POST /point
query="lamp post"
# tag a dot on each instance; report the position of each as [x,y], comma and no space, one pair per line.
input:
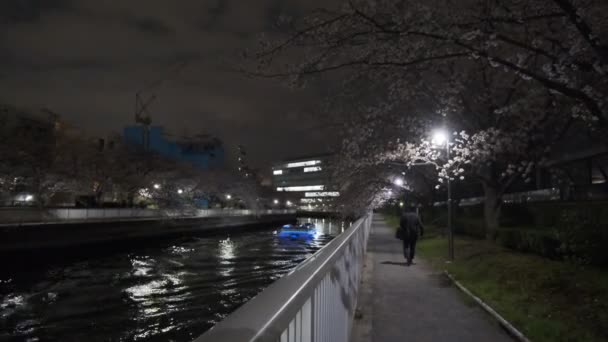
[399,182]
[441,137]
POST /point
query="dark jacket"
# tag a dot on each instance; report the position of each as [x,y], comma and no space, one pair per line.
[411,225]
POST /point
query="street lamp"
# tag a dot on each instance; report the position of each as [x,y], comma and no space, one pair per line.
[180,191]
[398,182]
[156,186]
[276,201]
[228,197]
[441,138]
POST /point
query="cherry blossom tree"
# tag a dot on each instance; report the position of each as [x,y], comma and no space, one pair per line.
[508,77]
[361,189]
[38,156]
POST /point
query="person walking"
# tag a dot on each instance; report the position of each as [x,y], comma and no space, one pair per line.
[410,228]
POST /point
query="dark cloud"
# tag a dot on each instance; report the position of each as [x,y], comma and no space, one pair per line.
[215,11]
[86,59]
[16,11]
[151,25]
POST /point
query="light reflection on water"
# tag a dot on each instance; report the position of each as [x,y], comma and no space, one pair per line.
[172,290]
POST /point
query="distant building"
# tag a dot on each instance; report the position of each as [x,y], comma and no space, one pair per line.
[304,182]
[200,151]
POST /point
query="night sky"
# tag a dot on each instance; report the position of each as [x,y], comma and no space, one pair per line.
[86,59]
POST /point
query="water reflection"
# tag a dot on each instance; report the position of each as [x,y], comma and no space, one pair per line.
[171,290]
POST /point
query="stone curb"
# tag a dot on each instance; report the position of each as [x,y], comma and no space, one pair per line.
[503,322]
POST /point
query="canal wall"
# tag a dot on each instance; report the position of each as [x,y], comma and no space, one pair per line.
[31,215]
[58,234]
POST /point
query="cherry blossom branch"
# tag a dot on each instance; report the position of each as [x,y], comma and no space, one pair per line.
[584,28]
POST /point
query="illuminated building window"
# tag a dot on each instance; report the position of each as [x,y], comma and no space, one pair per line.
[302,188]
[277,172]
[304,163]
[311,200]
[322,194]
[312,169]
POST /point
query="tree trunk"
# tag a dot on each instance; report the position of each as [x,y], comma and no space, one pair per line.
[99,199]
[491,210]
[130,199]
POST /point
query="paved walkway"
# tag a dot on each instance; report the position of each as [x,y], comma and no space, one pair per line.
[400,303]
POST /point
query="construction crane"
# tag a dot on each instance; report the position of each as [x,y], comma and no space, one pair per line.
[143,102]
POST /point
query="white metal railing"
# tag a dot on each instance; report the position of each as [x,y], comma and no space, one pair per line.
[314,303]
[22,216]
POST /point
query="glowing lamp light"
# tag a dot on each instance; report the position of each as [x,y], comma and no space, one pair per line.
[289,203]
[401,204]
[398,181]
[157,186]
[29,198]
[180,191]
[276,201]
[228,196]
[440,137]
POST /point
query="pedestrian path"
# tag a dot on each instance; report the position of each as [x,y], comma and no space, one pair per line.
[400,303]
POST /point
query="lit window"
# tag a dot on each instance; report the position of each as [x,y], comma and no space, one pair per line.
[312,169]
[322,194]
[302,188]
[597,176]
[311,200]
[304,163]
[277,172]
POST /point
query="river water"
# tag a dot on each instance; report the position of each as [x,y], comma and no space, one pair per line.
[169,290]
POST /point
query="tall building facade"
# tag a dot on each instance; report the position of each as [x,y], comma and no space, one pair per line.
[304,182]
[200,151]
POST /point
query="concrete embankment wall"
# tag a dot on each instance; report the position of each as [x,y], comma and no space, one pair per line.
[35,236]
[30,215]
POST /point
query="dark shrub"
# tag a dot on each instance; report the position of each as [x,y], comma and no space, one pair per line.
[583,237]
[537,241]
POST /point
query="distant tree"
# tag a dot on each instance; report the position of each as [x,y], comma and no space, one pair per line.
[362,188]
[137,172]
[221,183]
[43,160]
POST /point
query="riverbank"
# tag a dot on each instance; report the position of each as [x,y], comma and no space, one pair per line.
[547,300]
[30,216]
[20,237]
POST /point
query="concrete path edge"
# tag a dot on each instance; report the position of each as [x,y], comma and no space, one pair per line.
[514,332]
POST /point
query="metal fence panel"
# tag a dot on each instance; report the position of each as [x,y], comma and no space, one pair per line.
[314,303]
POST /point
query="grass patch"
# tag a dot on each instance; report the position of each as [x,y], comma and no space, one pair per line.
[392,221]
[547,300]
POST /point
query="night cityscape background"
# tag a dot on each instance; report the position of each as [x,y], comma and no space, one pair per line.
[346,170]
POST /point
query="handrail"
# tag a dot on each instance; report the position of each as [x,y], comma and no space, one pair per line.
[314,302]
